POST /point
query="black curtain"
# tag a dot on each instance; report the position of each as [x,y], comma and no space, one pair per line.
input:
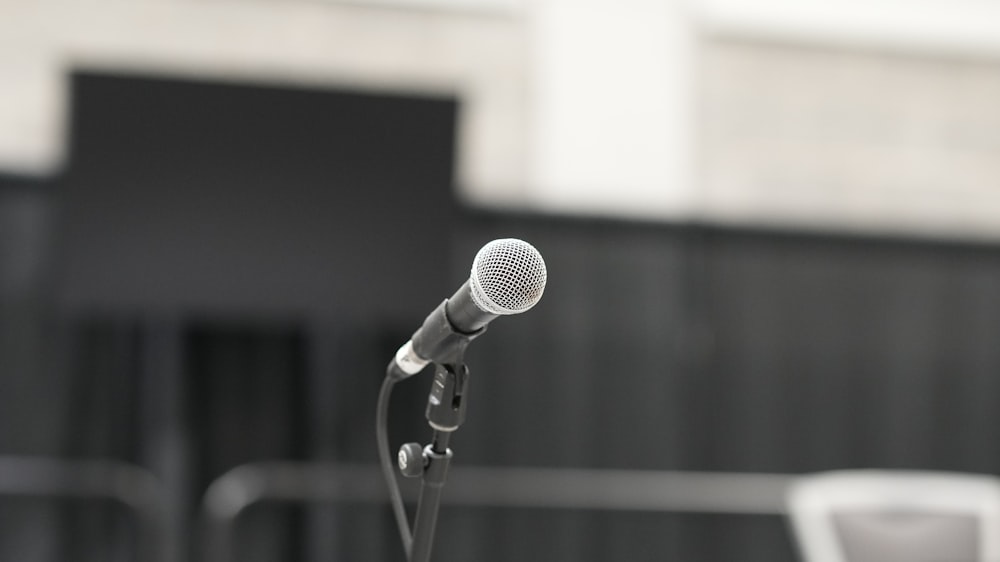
[655,347]
[703,348]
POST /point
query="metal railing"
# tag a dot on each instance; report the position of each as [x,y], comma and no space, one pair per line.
[231,494]
[51,478]
[628,490]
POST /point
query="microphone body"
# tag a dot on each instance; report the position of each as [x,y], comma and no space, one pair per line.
[508,277]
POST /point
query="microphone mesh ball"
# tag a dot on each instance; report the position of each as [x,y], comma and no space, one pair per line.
[508,277]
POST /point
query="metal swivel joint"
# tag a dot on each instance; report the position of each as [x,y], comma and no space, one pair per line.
[411,460]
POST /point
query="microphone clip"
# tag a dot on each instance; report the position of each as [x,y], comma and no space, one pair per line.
[446,403]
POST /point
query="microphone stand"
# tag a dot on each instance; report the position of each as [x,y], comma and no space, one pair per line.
[446,407]
[445,413]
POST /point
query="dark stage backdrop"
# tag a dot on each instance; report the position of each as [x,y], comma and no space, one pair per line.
[223,271]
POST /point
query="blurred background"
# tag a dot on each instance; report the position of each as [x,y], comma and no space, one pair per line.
[771,229]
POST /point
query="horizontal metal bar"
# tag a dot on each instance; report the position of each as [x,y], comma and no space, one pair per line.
[633,490]
[666,491]
[67,478]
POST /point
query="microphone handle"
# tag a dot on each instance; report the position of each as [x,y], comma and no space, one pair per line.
[464,314]
[443,336]
[441,339]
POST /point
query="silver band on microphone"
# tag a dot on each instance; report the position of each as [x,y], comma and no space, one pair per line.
[408,361]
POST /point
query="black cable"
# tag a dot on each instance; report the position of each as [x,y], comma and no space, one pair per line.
[388,470]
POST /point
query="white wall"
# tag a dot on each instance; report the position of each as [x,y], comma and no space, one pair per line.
[586,106]
[611,99]
[871,116]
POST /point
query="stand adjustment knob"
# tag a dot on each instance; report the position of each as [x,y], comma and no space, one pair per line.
[411,460]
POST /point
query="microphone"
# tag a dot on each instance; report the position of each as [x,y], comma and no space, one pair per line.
[508,277]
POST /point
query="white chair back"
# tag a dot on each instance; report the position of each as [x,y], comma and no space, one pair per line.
[896,516]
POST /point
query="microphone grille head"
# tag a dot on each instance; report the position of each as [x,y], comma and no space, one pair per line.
[508,277]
